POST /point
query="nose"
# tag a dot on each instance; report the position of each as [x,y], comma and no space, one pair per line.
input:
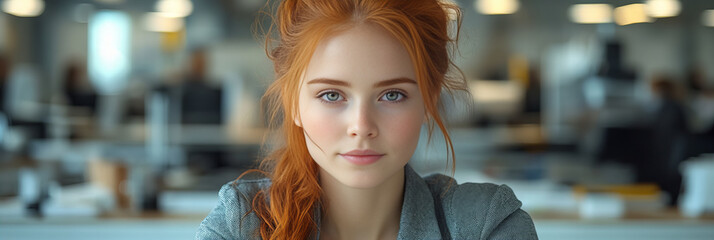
[363,122]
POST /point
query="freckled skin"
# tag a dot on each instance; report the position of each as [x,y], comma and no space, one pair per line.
[365,116]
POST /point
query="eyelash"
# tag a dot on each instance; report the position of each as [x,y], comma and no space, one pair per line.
[404,95]
[322,94]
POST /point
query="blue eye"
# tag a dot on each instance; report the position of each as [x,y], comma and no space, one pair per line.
[331,96]
[393,96]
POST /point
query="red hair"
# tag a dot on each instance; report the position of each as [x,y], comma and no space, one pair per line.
[286,210]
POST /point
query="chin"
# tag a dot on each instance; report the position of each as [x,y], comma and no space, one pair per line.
[362,178]
[362,181]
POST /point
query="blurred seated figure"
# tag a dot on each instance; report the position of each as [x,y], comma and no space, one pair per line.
[4,79]
[201,102]
[79,94]
[656,146]
[669,132]
[700,106]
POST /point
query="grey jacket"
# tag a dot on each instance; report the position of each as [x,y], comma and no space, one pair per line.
[465,211]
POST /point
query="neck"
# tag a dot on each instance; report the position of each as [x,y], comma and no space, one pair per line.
[359,213]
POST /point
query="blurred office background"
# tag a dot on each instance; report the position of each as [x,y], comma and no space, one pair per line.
[122,118]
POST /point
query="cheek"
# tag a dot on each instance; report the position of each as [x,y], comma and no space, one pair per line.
[321,126]
[404,130]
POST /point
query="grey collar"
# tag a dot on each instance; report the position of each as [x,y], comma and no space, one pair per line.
[418,219]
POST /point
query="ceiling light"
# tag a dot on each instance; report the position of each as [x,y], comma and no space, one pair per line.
[708,18]
[663,8]
[497,7]
[159,22]
[631,14]
[115,2]
[174,8]
[591,13]
[24,8]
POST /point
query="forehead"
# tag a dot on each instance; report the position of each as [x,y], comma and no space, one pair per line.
[364,53]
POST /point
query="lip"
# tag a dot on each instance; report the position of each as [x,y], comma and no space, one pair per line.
[362,157]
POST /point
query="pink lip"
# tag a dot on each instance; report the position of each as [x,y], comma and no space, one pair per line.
[362,157]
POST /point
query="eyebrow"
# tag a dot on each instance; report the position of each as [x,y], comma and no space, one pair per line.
[384,83]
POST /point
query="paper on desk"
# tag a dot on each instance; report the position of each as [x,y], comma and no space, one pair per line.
[81,200]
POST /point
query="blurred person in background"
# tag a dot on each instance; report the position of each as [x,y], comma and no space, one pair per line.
[700,106]
[4,78]
[669,133]
[355,83]
[78,91]
[80,95]
[201,102]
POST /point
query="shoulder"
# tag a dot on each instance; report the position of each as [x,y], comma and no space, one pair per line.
[244,189]
[486,210]
[232,217]
[470,193]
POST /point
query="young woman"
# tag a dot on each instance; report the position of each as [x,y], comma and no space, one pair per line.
[356,80]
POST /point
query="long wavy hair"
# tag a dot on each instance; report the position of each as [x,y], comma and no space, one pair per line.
[286,209]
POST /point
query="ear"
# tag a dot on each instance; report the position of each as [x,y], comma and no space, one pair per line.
[296,120]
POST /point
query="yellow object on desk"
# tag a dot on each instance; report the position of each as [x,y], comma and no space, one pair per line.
[637,198]
[642,190]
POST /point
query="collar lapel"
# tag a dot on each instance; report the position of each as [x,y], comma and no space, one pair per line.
[418,219]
